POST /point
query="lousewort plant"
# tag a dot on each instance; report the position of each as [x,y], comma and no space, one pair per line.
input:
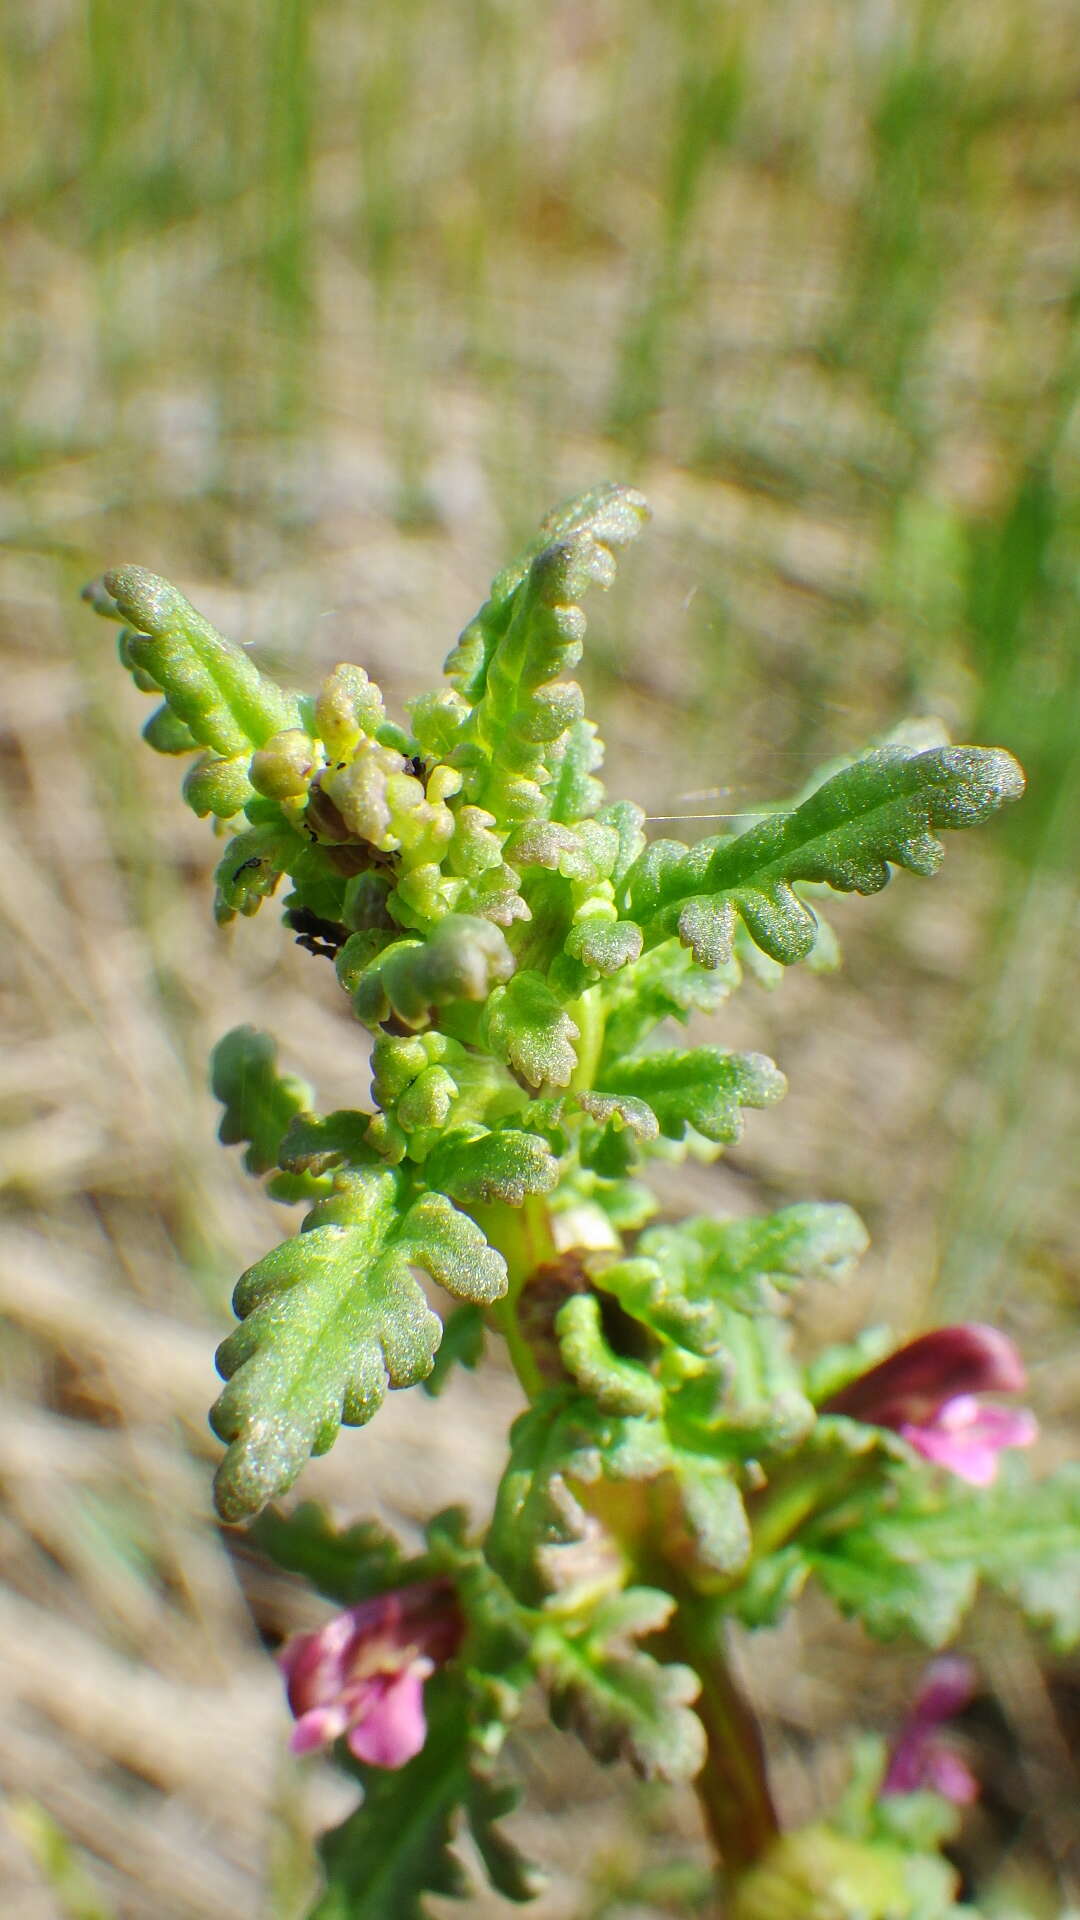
[522,958]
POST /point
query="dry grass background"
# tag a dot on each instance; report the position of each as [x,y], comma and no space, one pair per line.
[316,311]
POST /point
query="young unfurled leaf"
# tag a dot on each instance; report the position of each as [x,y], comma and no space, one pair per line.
[260,1103]
[525,1025]
[396,1847]
[212,685]
[617,1385]
[462,959]
[881,810]
[330,1320]
[703,1088]
[523,735]
[477,1168]
[623,1704]
[251,867]
[605,945]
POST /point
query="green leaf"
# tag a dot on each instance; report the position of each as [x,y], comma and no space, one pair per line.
[260,1103]
[217,786]
[665,984]
[251,867]
[462,959]
[884,1577]
[395,1848]
[617,1385]
[166,734]
[606,945]
[912,1561]
[560,1438]
[316,1145]
[882,809]
[614,513]
[330,1320]
[573,793]
[702,1087]
[623,1704]
[525,1025]
[740,1262]
[479,1168]
[346,1565]
[212,686]
[1032,1549]
[525,733]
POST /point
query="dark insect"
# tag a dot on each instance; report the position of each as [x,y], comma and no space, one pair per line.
[317,935]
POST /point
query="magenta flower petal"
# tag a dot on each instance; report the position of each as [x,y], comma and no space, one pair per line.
[966,1438]
[319,1728]
[912,1383]
[363,1673]
[393,1729]
[948,1685]
[920,1759]
[928,1392]
[947,1772]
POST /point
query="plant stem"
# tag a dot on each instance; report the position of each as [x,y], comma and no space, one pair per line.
[733,1785]
[590,1015]
[523,1236]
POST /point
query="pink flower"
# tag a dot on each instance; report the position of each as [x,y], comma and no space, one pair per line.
[928,1392]
[363,1674]
[919,1760]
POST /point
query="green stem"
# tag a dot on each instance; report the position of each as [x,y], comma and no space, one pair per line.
[733,1785]
[590,1017]
[524,1238]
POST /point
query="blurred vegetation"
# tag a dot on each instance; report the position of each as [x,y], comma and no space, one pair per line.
[316,308]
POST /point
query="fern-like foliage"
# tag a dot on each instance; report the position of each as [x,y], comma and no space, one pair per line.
[520,958]
[513,944]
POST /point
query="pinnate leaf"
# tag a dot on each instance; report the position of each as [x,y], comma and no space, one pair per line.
[525,733]
[624,1704]
[330,1320]
[396,1847]
[346,1564]
[913,1561]
[701,1087]
[525,1025]
[487,1166]
[211,684]
[260,1103]
[882,810]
